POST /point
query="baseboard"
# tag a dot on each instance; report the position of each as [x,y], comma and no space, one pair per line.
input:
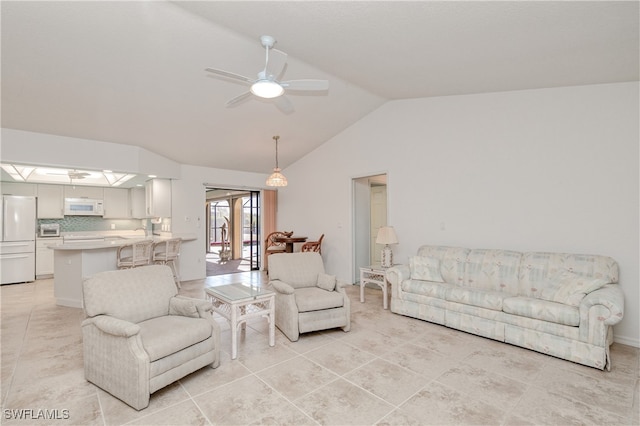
[627,341]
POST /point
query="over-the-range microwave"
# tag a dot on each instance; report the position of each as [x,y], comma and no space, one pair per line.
[83,207]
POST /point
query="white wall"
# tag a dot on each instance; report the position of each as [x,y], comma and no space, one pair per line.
[537,170]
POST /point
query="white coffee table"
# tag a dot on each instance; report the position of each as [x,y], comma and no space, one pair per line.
[239,302]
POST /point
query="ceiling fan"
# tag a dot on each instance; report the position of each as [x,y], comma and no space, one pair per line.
[268,85]
[76,174]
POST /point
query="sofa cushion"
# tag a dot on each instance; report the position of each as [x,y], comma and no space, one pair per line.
[326,282]
[315,299]
[426,288]
[569,288]
[452,261]
[493,270]
[163,336]
[425,268]
[558,313]
[475,297]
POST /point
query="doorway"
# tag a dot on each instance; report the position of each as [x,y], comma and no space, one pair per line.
[370,213]
[233,231]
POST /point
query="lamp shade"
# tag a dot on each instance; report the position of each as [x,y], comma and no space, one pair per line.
[276,178]
[387,235]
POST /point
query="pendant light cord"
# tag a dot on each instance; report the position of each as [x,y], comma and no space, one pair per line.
[276,139]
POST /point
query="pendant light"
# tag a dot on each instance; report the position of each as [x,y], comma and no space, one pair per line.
[276,178]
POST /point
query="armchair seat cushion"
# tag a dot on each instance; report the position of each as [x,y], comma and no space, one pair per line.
[316,299]
[163,336]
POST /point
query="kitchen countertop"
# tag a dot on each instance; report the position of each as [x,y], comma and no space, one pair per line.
[109,239]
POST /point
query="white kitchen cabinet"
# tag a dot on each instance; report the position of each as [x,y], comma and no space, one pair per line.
[137,203]
[16,188]
[79,191]
[44,256]
[116,203]
[158,197]
[50,201]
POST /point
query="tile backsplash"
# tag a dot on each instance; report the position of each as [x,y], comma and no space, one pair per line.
[90,223]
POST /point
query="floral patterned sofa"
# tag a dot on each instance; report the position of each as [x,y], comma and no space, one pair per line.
[559,304]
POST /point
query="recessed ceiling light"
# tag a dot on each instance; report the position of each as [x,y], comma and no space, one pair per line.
[152,176]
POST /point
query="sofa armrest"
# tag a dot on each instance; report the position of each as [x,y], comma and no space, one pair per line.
[397,274]
[611,297]
[281,287]
[113,326]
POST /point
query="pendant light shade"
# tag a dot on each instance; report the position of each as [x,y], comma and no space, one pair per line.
[276,178]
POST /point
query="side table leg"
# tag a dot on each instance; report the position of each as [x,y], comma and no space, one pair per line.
[385,297]
[234,332]
[272,321]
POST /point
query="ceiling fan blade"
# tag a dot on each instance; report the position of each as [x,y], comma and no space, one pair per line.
[229,75]
[238,100]
[305,85]
[284,104]
[276,63]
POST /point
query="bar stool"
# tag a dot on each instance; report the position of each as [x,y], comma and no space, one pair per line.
[166,253]
[134,254]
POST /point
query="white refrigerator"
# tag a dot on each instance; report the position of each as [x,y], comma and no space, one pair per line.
[18,239]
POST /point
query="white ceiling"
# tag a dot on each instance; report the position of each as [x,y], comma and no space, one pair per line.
[133,72]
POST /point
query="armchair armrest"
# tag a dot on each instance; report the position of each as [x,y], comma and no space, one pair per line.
[611,297]
[113,326]
[281,287]
[188,307]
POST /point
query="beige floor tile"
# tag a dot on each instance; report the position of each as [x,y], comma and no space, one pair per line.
[438,404]
[208,378]
[296,377]
[425,362]
[386,380]
[340,357]
[116,412]
[516,363]
[482,385]
[371,341]
[543,407]
[183,413]
[596,388]
[342,403]
[240,402]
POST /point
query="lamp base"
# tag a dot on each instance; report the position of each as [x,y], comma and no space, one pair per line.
[386,260]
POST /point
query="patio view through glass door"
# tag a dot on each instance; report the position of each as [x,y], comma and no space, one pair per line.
[233,231]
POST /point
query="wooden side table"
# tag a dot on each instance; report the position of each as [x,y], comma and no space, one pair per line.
[374,274]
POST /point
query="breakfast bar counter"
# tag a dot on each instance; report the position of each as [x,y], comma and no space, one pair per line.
[81,255]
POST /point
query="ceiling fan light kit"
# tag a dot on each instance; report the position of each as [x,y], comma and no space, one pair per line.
[276,178]
[266,89]
[267,85]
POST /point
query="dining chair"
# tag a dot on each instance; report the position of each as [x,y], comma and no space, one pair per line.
[272,246]
[315,246]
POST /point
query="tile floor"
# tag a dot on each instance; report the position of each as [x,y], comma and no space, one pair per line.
[388,370]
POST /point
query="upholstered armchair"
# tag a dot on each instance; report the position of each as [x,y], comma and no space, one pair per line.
[139,336]
[307,299]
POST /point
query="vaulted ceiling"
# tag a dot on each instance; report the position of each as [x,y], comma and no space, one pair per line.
[134,72]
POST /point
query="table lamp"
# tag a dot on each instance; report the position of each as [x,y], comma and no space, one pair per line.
[386,236]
